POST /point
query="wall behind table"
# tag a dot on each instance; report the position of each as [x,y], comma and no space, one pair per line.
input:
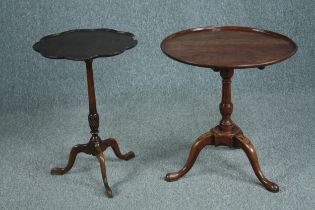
[29,81]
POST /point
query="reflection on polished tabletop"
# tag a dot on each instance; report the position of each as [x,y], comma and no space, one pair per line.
[228,47]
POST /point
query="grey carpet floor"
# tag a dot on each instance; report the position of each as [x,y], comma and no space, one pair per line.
[161,134]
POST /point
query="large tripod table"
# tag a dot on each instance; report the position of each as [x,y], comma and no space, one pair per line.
[224,49]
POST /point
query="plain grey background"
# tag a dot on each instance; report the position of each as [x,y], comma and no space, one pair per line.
[154,106]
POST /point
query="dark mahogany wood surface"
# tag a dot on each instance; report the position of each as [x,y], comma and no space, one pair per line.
[228,47]
[85,44]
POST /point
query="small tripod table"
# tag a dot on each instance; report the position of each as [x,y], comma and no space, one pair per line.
[85,45]
[224,49]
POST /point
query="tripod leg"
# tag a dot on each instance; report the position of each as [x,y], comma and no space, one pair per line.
[250,151]
[200,143]
[101,158]
[85,148]
[114,145]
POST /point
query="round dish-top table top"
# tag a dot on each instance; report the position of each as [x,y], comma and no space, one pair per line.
[228,47]
[85,44]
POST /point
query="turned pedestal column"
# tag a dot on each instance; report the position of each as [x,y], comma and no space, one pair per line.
[226,133]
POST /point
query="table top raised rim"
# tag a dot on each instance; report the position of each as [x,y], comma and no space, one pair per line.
[233,28]
[90,57]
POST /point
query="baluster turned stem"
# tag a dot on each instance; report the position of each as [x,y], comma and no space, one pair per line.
[93,115]
[226,106]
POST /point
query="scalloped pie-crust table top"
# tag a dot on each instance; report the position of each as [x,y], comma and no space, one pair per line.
[85,45]
[224,49]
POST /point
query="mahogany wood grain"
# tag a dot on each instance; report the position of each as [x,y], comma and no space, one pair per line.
[228,47]
[224,49]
